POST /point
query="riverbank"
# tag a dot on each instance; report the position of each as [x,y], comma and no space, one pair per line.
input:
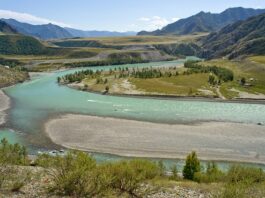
[4,105]
[212,140]
[171,97]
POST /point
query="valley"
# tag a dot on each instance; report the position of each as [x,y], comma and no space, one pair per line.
[124,114]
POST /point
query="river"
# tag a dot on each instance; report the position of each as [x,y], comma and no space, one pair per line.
[36,101]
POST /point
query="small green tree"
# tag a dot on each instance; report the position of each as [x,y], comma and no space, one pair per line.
[211,80]
[161,167]
[107,88]
[58,79]
[174,171]
[243,81]
[192,166]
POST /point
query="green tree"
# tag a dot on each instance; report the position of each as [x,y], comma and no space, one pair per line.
[243,81]
[174,171]
[192,166]
[58,79]
[211,80]
[107,88]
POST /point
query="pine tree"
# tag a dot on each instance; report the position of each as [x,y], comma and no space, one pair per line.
[192,166]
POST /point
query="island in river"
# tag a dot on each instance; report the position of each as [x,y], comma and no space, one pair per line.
[221,79]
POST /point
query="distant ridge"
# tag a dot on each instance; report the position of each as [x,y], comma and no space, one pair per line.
[7,29]
[206,22]
[48,31]
[82,33]
[51,31]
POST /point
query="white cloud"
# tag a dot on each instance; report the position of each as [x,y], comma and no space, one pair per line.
[28,18]
[144,19]
[175,19]
[153,23]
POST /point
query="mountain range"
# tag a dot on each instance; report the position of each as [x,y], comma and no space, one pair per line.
[51,31]
[206,22]
[47,31]
[244,37]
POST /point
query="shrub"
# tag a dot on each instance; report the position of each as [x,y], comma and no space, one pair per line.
[73,175]
[127,176]
[212,174]
[192,166]
[174,171]
[250,175]
[12,154]
[244,182]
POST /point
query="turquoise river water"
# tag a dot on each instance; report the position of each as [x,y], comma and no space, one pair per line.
[40,99]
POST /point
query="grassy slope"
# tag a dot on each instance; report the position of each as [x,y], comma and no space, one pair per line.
[252,67]
[180,85]
[139,40]
[11,76]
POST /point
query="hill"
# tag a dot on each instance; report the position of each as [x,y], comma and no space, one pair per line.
[241,38]
[5,28]
[20,45]
[47,31]
[82,33]
[206,22]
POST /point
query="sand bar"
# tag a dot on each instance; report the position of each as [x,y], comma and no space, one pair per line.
[4,105]
[212,140]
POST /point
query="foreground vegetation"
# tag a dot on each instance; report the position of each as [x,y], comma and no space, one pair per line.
[78,175]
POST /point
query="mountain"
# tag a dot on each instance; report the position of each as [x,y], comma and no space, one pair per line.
[47,31]
[7,29]
[206,22]
[82,33]
[241,38]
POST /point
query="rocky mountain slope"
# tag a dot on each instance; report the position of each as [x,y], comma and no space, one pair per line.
[241,38]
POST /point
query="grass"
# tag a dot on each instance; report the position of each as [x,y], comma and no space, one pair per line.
[181,85]
[247,68]
[11,76]
[140,40]
[258,59]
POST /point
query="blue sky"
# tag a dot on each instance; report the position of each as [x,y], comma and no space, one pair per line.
[114,15]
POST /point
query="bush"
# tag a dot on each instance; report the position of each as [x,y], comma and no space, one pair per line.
[12,154]
[244,182]
[250,175]
[192,166]
[127,176]
[73,175]
[174,171]
[212,174]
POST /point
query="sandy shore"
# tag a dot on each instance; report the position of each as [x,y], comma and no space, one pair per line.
[4,105]
[212,140]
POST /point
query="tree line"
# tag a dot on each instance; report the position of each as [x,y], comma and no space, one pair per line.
[223,74]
